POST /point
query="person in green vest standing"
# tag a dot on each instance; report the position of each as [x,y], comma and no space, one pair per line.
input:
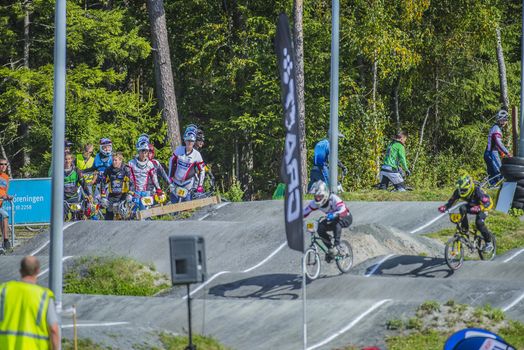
[28,319]
[394,163]
[86,160]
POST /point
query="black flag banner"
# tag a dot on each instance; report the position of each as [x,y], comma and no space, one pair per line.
[291,167]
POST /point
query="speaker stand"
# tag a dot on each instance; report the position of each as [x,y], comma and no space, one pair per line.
[190,346]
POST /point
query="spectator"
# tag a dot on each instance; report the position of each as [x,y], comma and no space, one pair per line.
[495,148]
[85,160]
[394,162]
[4,187]
[320,169]
[28,319]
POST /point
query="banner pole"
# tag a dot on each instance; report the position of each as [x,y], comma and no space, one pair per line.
[304,304]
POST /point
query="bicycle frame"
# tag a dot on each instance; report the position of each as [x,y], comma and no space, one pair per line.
[468,238]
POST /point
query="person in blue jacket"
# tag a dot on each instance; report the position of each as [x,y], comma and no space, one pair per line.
[320,169]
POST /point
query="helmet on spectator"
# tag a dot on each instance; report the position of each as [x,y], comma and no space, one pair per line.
[191,128]
[142,137]
[142,146]
[106,146]
[502,116]
[190,136]
[321,192]
[68,144]
[465,186]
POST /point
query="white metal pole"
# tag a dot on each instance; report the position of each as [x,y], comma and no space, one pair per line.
[333,104]
[57,184]
[304,304]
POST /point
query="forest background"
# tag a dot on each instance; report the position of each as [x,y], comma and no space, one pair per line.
[429,67]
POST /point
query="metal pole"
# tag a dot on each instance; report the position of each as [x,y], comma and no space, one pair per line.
[304,304]
[333,98]
[521,134]
[190,346]
[13,236]
[57,183]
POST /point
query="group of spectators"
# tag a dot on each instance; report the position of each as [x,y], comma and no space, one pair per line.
[108,179]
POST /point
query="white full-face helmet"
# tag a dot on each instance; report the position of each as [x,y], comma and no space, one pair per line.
[321,193]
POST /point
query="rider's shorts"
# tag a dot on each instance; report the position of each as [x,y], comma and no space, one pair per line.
[3,213]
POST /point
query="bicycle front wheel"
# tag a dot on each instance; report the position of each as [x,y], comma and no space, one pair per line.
[344,259]
[312,263]
[487,255]
[454,253]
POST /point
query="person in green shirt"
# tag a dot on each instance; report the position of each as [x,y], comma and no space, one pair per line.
[394,163]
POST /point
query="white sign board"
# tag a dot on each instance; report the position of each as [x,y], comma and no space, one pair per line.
[506,196]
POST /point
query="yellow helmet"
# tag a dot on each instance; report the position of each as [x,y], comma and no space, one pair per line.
[465,186]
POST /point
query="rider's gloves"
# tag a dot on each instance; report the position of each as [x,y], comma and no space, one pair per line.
[129,198]
[475,209]
[330,217]
[200,189]
[442,208]
[172,187]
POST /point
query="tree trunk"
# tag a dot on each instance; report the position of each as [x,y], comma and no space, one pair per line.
[375,85]
[396,87]
[502,72]
[163,72]
[421,138]
[247,161]
[298,40]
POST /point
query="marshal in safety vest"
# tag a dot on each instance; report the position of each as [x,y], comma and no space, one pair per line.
[23,311]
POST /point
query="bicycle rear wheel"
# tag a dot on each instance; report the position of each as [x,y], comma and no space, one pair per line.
[454,253]
[344,259]
[311,263]
[481,244]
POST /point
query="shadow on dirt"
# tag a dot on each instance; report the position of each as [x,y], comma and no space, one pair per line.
[270,286]
[413,266]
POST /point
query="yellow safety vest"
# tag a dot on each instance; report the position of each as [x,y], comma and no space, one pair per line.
[23,316]
[81,164]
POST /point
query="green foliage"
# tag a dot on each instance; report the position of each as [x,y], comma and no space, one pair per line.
[113,276]
[171,342]
[84,344]
[434,60]
[429,307]
[235,193]
[396,324]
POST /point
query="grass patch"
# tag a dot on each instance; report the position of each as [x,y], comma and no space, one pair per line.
[171,342]
[434,323]
[436,194]
[508,229]
[113,276]
[84,344]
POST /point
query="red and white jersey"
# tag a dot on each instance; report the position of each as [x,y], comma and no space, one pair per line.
[183,167]
[333,205]
[143,175]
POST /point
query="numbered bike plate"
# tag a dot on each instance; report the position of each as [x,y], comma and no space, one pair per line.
[147,201]
[75,206]
[181,192]
[311,227]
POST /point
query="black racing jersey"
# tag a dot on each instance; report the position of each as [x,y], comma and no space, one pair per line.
[117,181]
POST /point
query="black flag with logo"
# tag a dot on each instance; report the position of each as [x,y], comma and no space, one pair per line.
[291,167]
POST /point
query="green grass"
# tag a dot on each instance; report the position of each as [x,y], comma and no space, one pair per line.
[436,194]
[171,342]
[113,276]
[434,323]
[83,344]
[508,229]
